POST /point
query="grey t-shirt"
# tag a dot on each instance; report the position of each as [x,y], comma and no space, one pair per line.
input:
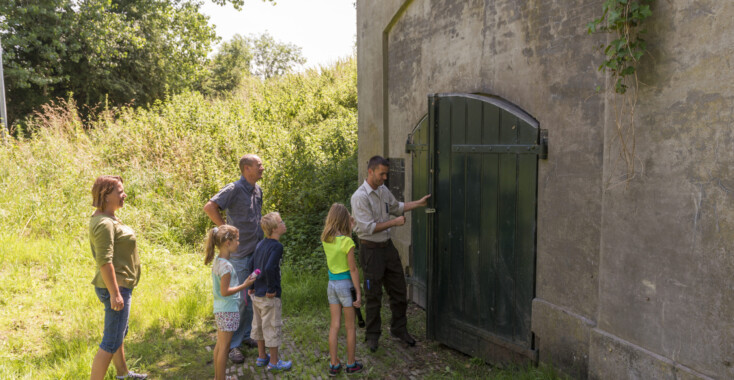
[243,204]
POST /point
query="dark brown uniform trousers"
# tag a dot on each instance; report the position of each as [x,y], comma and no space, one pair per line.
[382,267]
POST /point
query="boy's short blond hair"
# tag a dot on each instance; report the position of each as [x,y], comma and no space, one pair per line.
[270,222]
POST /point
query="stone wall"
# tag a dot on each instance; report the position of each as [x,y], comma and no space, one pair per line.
[633,281]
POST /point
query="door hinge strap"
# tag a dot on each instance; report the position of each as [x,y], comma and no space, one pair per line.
[415,147]
[497,148]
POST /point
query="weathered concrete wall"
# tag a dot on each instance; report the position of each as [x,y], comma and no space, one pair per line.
[631,281]
[374,134]
[667,240]
[371,20]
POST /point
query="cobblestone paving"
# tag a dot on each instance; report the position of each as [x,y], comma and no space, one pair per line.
[393,360]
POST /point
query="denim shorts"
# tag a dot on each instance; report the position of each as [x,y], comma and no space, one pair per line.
[115,322]
[339,294]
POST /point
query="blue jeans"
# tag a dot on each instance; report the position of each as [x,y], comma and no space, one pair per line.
[115,322]
[243,332]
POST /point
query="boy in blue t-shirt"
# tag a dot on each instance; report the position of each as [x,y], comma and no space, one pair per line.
[265,292]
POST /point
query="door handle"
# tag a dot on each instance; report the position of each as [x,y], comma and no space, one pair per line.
[430,210]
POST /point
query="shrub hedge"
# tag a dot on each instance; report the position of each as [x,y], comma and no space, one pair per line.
[175,154]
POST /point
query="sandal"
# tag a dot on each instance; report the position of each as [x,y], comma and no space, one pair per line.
[262,362]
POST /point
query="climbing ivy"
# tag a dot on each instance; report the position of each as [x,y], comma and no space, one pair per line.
[622,18]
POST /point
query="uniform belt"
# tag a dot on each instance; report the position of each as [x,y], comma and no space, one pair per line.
[372,244]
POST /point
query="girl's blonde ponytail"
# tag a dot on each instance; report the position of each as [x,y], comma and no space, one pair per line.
[211,236]
[215,237]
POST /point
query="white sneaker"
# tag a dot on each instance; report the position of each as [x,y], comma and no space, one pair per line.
[133,375]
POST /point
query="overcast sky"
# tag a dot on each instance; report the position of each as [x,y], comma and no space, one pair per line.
[324,29]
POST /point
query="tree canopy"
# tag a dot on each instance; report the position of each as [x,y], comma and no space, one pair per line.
[229,67]
[272,58]
[240,57]
[102,51]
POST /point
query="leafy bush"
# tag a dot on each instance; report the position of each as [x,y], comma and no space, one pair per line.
[179,152]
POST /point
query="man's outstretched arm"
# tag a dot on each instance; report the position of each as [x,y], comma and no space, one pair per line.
[415,204]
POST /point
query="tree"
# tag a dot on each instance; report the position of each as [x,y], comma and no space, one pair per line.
[34,43]
[116,51]
[272,58]
[242,56]
[104,37]
[237,3]
[176,40]
[230,66]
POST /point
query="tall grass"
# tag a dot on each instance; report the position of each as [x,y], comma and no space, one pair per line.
[51,321]
[176,154]
[173,156]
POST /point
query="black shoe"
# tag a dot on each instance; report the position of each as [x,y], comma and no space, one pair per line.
[405,337]
[249,342]
[372,344]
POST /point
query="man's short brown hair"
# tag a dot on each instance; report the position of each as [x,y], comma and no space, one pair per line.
[247,160]
[376,161]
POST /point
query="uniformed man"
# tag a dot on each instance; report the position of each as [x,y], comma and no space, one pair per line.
[376,211]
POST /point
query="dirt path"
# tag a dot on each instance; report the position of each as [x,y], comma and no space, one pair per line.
[393,360]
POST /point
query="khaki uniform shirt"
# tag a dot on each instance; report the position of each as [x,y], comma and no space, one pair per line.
[369,207]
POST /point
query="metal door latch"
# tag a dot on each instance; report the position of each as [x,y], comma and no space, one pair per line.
[430,210]
[543,144]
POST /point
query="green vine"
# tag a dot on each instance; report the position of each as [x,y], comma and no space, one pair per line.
[622,18]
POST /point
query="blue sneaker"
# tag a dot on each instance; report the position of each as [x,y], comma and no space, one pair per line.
[262,362]
[354,368]
[281,366]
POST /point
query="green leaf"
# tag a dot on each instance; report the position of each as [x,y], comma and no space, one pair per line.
[620,87]
[629,70]
[591,27]
[622,17]
[645,11]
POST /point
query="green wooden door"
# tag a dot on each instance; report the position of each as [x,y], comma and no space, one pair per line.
[481,265]
[420,147]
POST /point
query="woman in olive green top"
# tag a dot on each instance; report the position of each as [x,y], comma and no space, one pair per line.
[118,271]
